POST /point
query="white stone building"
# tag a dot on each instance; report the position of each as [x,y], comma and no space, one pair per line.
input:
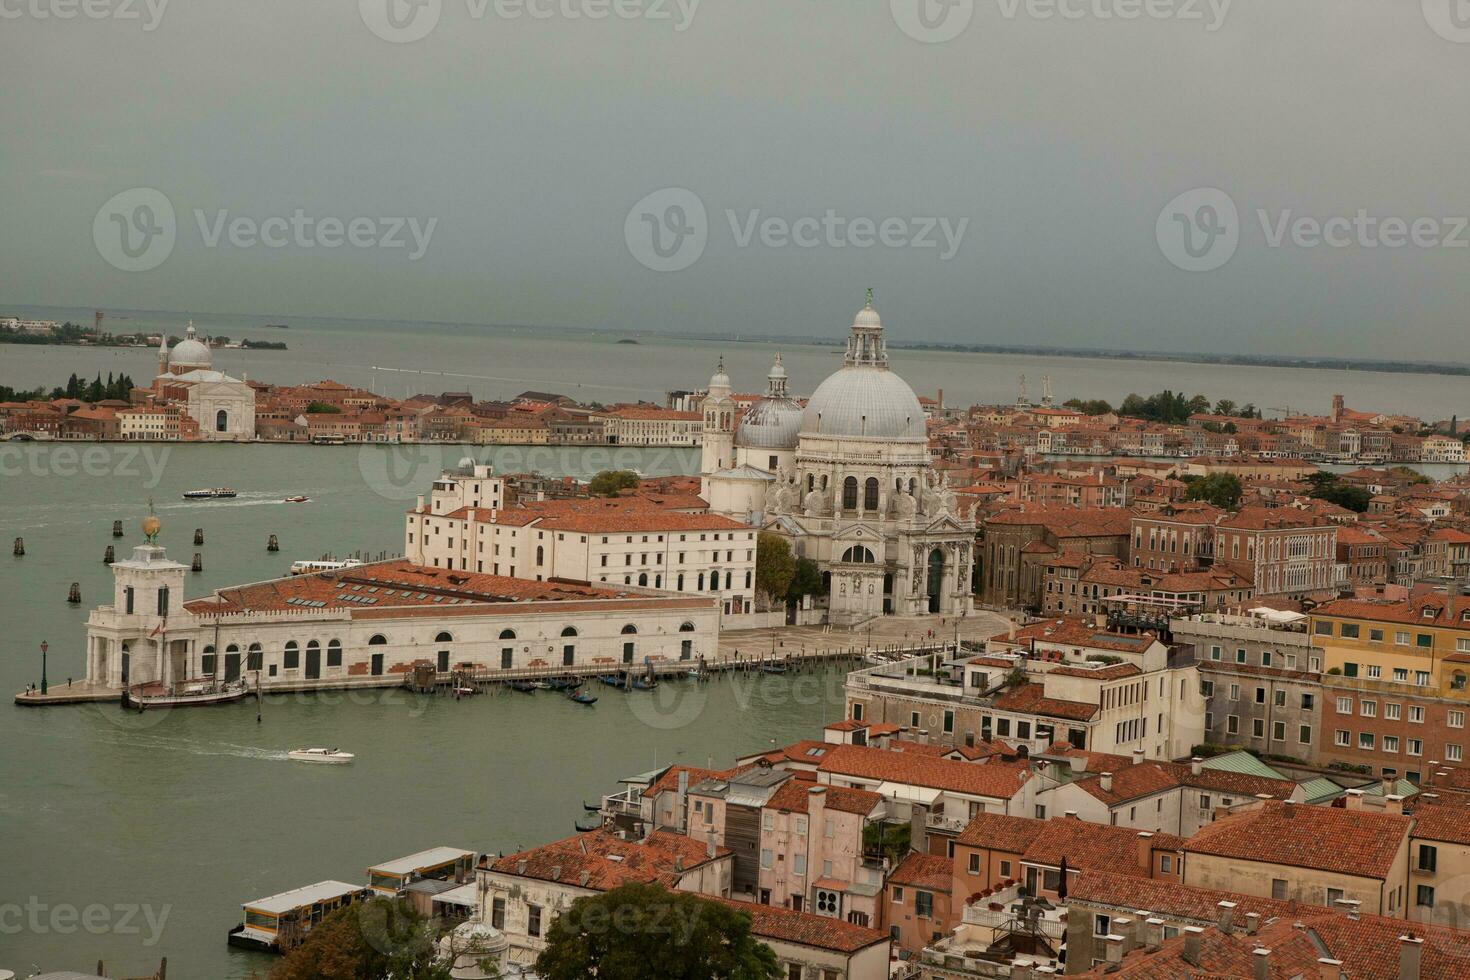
[366,626]
[852,486]
[224,407]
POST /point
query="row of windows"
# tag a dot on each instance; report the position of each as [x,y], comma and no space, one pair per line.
[1393,744]
[1258,728]
[1393,711]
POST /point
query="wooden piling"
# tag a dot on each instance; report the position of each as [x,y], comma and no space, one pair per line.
[75,595]
[117,530]
[198,536]
[109,556]
[20,548]
[272,544]
[198,565]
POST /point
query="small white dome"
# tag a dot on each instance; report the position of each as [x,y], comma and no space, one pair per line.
[771,423]
[867,319]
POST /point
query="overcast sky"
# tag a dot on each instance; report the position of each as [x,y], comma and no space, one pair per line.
[1048,147]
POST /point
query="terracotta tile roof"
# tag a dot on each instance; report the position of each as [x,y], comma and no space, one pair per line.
[997,780]
[1352,842]
[387,586]
[1109,672]
[1148,778]
[1221,957]
[1170,898]
[609,861]
[604,515]
[1000,832]
[669,781]
[1032,699]
[1272,518]
[1442,821]
[927,871]
[795,796]
[1446,610]
[806,929]
[1091,846]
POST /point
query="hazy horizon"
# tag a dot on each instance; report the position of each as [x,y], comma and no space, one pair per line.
[516,161]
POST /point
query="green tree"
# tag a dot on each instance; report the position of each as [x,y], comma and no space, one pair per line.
[1221,489]
[1225,407]
[1326,486]
[638,931]
[375,940]
[609,483]
[323,408]
[775,566]
[806,581]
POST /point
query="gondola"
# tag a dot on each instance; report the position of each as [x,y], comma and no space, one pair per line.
[611,680]
[591,807]
[581,698]
[595,825]
[773,668]
[525,687]
[644,684]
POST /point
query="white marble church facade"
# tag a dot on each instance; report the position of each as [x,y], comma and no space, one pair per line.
[848,481]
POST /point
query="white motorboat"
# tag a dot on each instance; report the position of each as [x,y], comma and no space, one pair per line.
[325,756]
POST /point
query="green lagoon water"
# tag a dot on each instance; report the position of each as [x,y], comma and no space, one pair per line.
[183,815]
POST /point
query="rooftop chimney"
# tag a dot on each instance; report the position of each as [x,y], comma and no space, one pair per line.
[583,878]
[1411,949]
[1331,969]
[1195,765]
[1153,932]
[1192,944]
[1146,850]
[1106,782]
[1355,799]
[1078,763]
[1021,970]
[1114,944]
[1288,808]
[1138,757]
[1393,803]
[709,846]
[520,867]
[1252,923]
[1261,963]
[1226,916]
[1070,814]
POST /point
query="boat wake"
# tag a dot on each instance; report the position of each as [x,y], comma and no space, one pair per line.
[193,747]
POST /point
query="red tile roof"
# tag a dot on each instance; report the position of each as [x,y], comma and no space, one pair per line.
[998,780]
[1352,842]
[608,860]
[806,929]
[1031,699]
[927,871]
[796,795]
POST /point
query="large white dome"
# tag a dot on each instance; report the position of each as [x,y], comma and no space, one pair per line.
[869,402]
[864,398]
[190,352]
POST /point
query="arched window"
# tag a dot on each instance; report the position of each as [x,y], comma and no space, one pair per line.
[540,555]
[378,640]
[643,578]
[206,661]
[679,583]
[849,493]
[334,653]
[569,631]
[870,494]
[658,581]
[811,482]
[444,638]
[701,582]
[857,554]
[254,656]
[630,628]
[714,581]
[232,648]
[507,634]
[687,628]
[222,421]
[292,659]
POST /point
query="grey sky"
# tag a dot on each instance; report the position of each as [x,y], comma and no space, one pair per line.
[530,140]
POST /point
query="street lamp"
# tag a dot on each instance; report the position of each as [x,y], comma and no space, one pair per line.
[44,647]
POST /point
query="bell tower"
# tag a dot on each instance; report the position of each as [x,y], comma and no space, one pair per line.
[718,437]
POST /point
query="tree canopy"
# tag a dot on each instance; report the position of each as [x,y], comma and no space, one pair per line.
[807,580]
[609,483]
[1221,489]
[1326,486]
[375,940]
[638,931]
[775,566]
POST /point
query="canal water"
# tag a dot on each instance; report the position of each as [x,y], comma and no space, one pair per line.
[129,837]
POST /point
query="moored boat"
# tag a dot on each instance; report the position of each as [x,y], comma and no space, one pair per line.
[582,698]
[644,683]
[773,668]
[144,696]
[311,567]
[525,687]
[333,756]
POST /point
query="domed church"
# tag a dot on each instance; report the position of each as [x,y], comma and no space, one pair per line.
[847,480]
[224,407]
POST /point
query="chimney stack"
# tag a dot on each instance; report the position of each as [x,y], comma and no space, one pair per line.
[1146,851]
[1393,803]
[1106,782]
[1411,949]
[583,878]
[1078,763]
[1226,916]
[1138,757]
[1070,814]
[1252,923]
[1153,932]
[1354,799]
[1021,970]
[1261,963]
[1331,969]
[1192,944]
[1195,765]
[709,846]
[1114,943]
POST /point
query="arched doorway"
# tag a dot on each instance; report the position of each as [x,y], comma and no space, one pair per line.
[222,421]
[936,579]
